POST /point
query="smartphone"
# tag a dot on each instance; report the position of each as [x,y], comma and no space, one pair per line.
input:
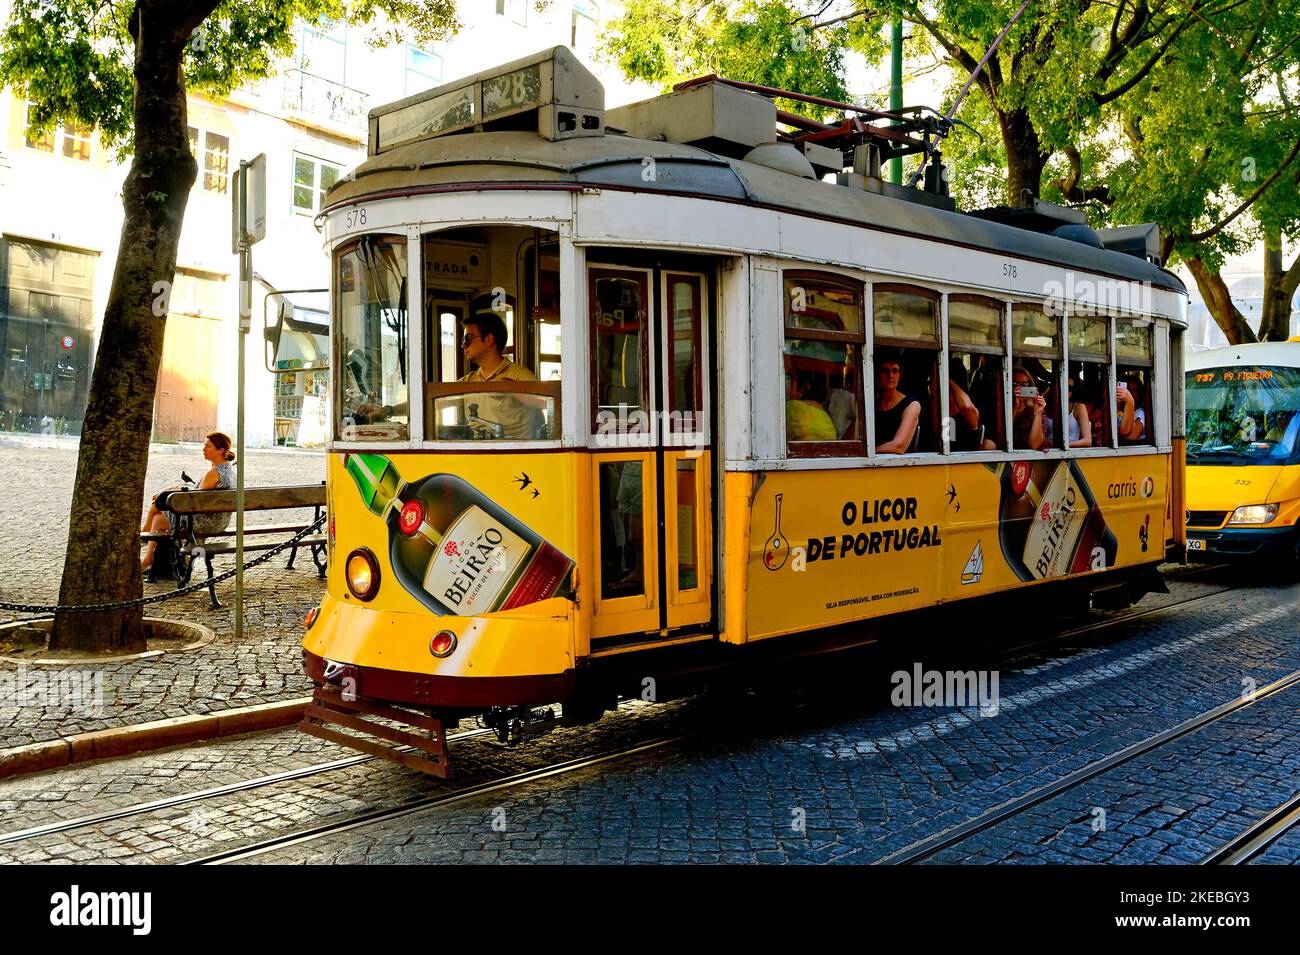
[1026,392]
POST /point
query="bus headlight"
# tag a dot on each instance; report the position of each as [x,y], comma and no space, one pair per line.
[362,574]
[1254,514]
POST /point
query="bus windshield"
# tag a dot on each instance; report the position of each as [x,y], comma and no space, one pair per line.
[1243,415]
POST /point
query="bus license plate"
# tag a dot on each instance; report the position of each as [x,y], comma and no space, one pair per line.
[1194,543]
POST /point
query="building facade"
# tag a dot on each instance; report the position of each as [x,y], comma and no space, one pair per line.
[61,215]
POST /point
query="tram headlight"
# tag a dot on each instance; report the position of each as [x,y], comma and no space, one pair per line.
[1254,514]
[443,644]
[312,614]
[362,574]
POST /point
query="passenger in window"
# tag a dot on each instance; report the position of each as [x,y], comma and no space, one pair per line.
[968,436]
[1131,417]
[1079,422]
[897,415]
[1028,413]
[805,417]
[986,392]
[842,406]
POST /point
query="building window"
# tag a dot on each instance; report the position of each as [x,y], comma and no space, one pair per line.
[311,179]
[423,70]
[322,50]
[516,10]
[67,140]
[212,152]
[582,35]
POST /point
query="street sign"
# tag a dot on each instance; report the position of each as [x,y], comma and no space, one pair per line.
[67,342]
[248,220]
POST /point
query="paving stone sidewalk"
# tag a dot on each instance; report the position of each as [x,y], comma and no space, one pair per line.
[264,667]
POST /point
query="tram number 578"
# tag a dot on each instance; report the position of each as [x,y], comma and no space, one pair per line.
[1008,270]
[354,218]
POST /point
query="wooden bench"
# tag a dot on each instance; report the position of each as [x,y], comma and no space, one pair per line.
[184,546]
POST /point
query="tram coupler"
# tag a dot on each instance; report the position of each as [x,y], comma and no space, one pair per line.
[515,724]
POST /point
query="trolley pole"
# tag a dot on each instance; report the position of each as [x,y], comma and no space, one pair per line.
[249,227]
[896,89]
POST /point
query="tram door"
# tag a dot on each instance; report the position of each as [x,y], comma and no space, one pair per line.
[651,335]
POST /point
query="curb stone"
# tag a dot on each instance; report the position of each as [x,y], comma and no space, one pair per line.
[142,737]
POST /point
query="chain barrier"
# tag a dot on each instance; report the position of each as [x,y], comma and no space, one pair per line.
[158,598]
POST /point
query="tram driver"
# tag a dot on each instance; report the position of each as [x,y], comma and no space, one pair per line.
[488,414]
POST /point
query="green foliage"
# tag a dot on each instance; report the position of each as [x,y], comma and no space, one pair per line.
[74,58]
[768,42]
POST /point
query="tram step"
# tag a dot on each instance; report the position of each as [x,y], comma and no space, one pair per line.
[328,706]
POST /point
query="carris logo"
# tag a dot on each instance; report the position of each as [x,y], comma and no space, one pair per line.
[1130,488]
[75,908]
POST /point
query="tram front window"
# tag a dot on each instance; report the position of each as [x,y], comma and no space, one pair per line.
[1243,415]
[492,321]
[370,282]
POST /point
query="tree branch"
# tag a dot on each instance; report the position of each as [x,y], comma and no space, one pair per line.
[1263,187]
[1104,98]
[1070,186]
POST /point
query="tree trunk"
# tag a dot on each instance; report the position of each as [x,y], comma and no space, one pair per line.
[1279,289]
[103,555]
[1025,157]
[1215,292]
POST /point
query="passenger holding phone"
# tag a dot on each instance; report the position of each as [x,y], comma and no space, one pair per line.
[1028,410]
[1131,418]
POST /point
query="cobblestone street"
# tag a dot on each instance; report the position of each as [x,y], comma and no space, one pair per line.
[816,772]
[265,667]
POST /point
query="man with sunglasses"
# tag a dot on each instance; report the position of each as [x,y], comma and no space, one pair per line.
[496,414]
[489,414]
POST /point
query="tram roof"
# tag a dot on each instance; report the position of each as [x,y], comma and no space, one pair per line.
[1279,354]
[617,161]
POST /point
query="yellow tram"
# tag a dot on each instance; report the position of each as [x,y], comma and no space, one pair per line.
[749,398]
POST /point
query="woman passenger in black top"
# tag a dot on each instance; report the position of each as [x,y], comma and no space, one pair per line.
[897,415]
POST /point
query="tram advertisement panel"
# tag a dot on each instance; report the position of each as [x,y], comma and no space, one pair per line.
[828,547]
[461,534]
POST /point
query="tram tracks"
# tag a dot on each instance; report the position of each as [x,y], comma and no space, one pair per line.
[439,800]
[306,772]
[1255,838]
[213,792]
[1251,842]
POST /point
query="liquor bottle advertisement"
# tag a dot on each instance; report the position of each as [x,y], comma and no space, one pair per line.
[839,545]
[444,537]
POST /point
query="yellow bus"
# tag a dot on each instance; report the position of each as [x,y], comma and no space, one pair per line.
[1243,452]
[743,400]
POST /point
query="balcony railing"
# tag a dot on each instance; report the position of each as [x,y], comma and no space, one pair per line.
[324,99]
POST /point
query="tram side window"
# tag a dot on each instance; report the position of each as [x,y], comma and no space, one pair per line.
[824,338]
[1133,395]
[371,306]
[975,339]
[1091,395]
[906,368]
[1035,391]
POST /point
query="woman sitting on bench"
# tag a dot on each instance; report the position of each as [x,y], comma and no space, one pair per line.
[220,477]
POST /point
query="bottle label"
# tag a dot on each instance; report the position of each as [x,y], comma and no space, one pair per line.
[1057,522]
[476,558]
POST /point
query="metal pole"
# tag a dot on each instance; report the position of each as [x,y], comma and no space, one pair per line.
[896,89]
[245,317]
